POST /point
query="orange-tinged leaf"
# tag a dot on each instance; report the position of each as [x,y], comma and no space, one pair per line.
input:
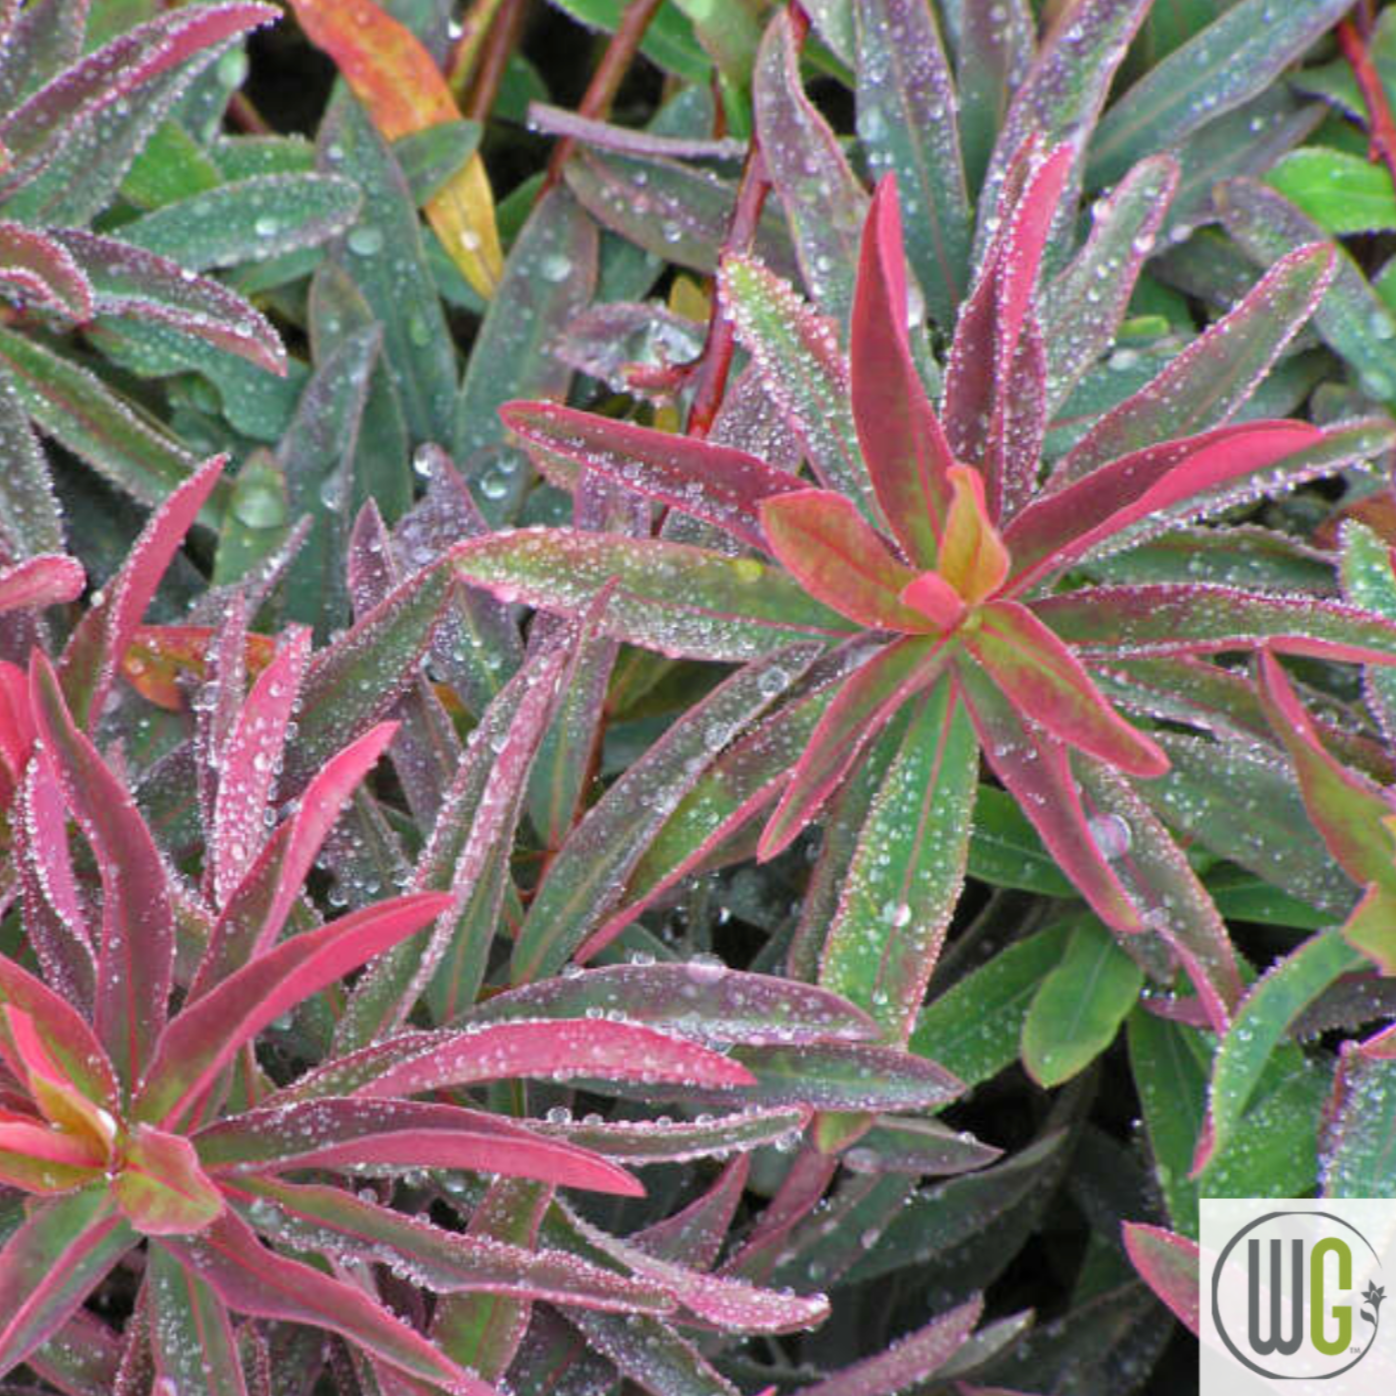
[162,1188]
[404,91]
[159,654]
[973,558]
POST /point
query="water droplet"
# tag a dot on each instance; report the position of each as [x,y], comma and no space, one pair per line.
[365,241]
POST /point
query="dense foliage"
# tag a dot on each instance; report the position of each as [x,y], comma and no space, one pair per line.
[723,726]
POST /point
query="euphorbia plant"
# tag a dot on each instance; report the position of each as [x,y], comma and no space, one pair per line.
[944,563]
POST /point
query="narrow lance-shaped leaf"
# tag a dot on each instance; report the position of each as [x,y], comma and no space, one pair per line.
[864,705]
[589,872]
[1171,1266]
[907,122]
[906,875]
[191,1333]
[397,80]
[29,518]
[204,1038]
[254,1280]
[906,449]
[1206,384]
[136,957]
[40,270]
[677,599]
[1369,582]
[715,483]
[823,199]
[1359,1124]
[46,579]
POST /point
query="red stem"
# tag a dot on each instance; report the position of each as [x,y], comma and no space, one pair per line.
[1380,125]
[605,81]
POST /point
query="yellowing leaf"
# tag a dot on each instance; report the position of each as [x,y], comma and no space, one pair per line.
[399,83]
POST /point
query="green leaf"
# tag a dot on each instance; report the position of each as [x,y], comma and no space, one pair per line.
[30,522]
[257,521]
[1079,1006]
[974,1028]
[905,875]
[1369,582]
[669,40]
[1006,851]
[680,600]
[907,125]
[1228,62]
[1360,1127]
[1340,192]
[191,1333]
[172,166]
[429,158]
[1272,1004]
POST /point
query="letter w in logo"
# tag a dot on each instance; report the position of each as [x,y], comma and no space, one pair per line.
[1275,1341]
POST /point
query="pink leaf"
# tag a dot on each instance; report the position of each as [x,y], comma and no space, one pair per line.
[715,483]
[201,1041]
[258,908]
[865,704]
[825,542]
[342,1133]
[1034,768]
[107,630]
[1171,1266]
[249,762]
[45,580]
[903,443]
[1043,679]
[39,271]
[557,1050]
[160,1188]
[256,1281]
[135,961]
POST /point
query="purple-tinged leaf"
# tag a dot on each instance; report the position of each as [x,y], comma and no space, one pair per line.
[37,269]
[697,1234]
[589,872]
[76,408]
[248,765]
[910,1361]
[473,829]
[624,140]
[714,483]
[128,281]
[557,1050]
[1271,1004]
[1359,1127]
[354,682]
[1063,90]
[61,1252]
[798,1196]
[55,920]
[1142,622]
[1035,769]
[45,580]
[649,1141]
[96,648]
[673,211]
[160,1187]
[1369,581]
[822,539]
[38,1159]
[1041,677]
[254,1280]
[718,1301]
[192,1342]
[995,405]
[795,351]
[29,517]
[903,443]
[1222,65]
[484,1331]
[680,600]
[1171,1266]
[1058,528]
[702,999]
[397,1134]
[631,346]
[81,1359]
[1205,385]
[330,1219]
[992,52]
[135,960]
[1345,806]
[896,1145]
[1171,899]
[206,1035]
[651,1354]
[864,705]
[907,124]
[257,910]
[1084,306]
[907,869]
[823,199]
